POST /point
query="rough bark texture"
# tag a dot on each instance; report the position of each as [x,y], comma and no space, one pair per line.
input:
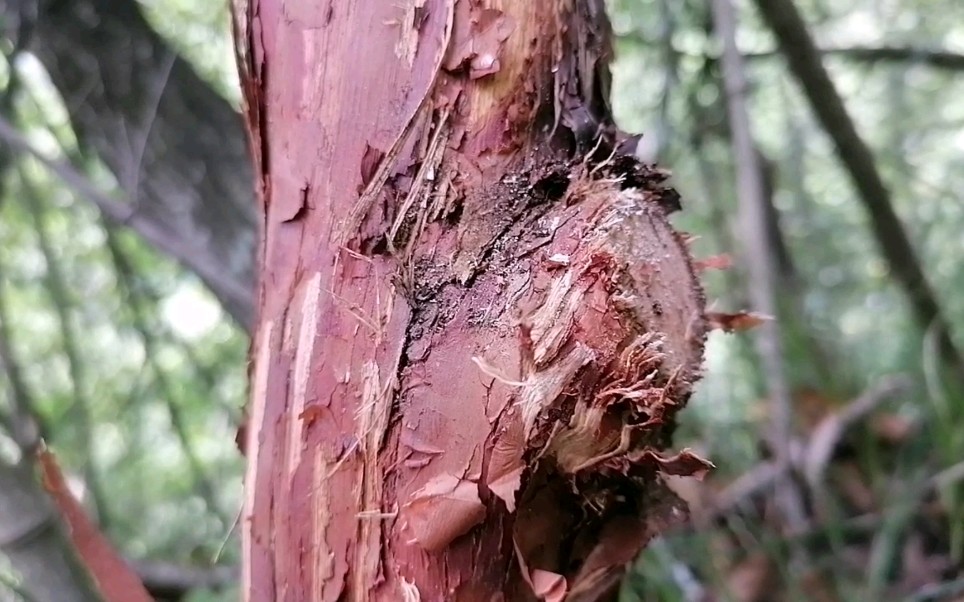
[175,146]
[476,323]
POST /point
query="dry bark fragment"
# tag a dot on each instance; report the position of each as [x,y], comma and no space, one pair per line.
[115,580]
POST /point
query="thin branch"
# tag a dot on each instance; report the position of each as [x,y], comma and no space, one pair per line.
[949,590]
[938,59]
[125,276]
[792,176]
[813,458]
[80,410]
[805,63]
[759,257]
[32,539]
[148,297]
[26,426]
[826,436]
[22,424]
[935,58]
[124,213]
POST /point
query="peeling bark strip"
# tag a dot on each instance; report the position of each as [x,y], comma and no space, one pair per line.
[114,579]
[476,323]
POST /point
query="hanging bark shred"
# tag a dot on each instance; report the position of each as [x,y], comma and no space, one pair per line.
[476,332]
[735,322]
[114,579]
[716,262]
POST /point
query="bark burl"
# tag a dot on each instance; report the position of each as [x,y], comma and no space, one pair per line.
[475,322]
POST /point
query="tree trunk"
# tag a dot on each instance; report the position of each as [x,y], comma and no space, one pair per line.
[475,322]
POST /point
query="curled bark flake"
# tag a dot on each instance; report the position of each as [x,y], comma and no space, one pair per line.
[715,262]
[736,322]
[507,461]
[685,463]
[477,40]
[445,508]
[548,586]
[619,542]
[370,160]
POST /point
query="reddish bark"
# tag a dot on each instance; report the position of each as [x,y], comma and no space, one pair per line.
[113,578]
[475,324]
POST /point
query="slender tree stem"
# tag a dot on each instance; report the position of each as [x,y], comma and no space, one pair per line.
[759,256]
[804,60]
[80,411]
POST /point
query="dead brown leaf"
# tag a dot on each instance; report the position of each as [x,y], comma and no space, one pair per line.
[893,428]
[714,262]
[818,587]
[753,579]
[737,322]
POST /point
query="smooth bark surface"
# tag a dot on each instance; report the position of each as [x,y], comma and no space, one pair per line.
[476,323]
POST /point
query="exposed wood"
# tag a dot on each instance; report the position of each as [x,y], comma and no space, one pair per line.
[476,322]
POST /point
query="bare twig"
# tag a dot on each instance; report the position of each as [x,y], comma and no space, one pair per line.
[153,113]
[25,426]
[813,458]
[760,478]
[950,590]
[947,477]
[939,59]
[32,540]
[827,435]
[935,58]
